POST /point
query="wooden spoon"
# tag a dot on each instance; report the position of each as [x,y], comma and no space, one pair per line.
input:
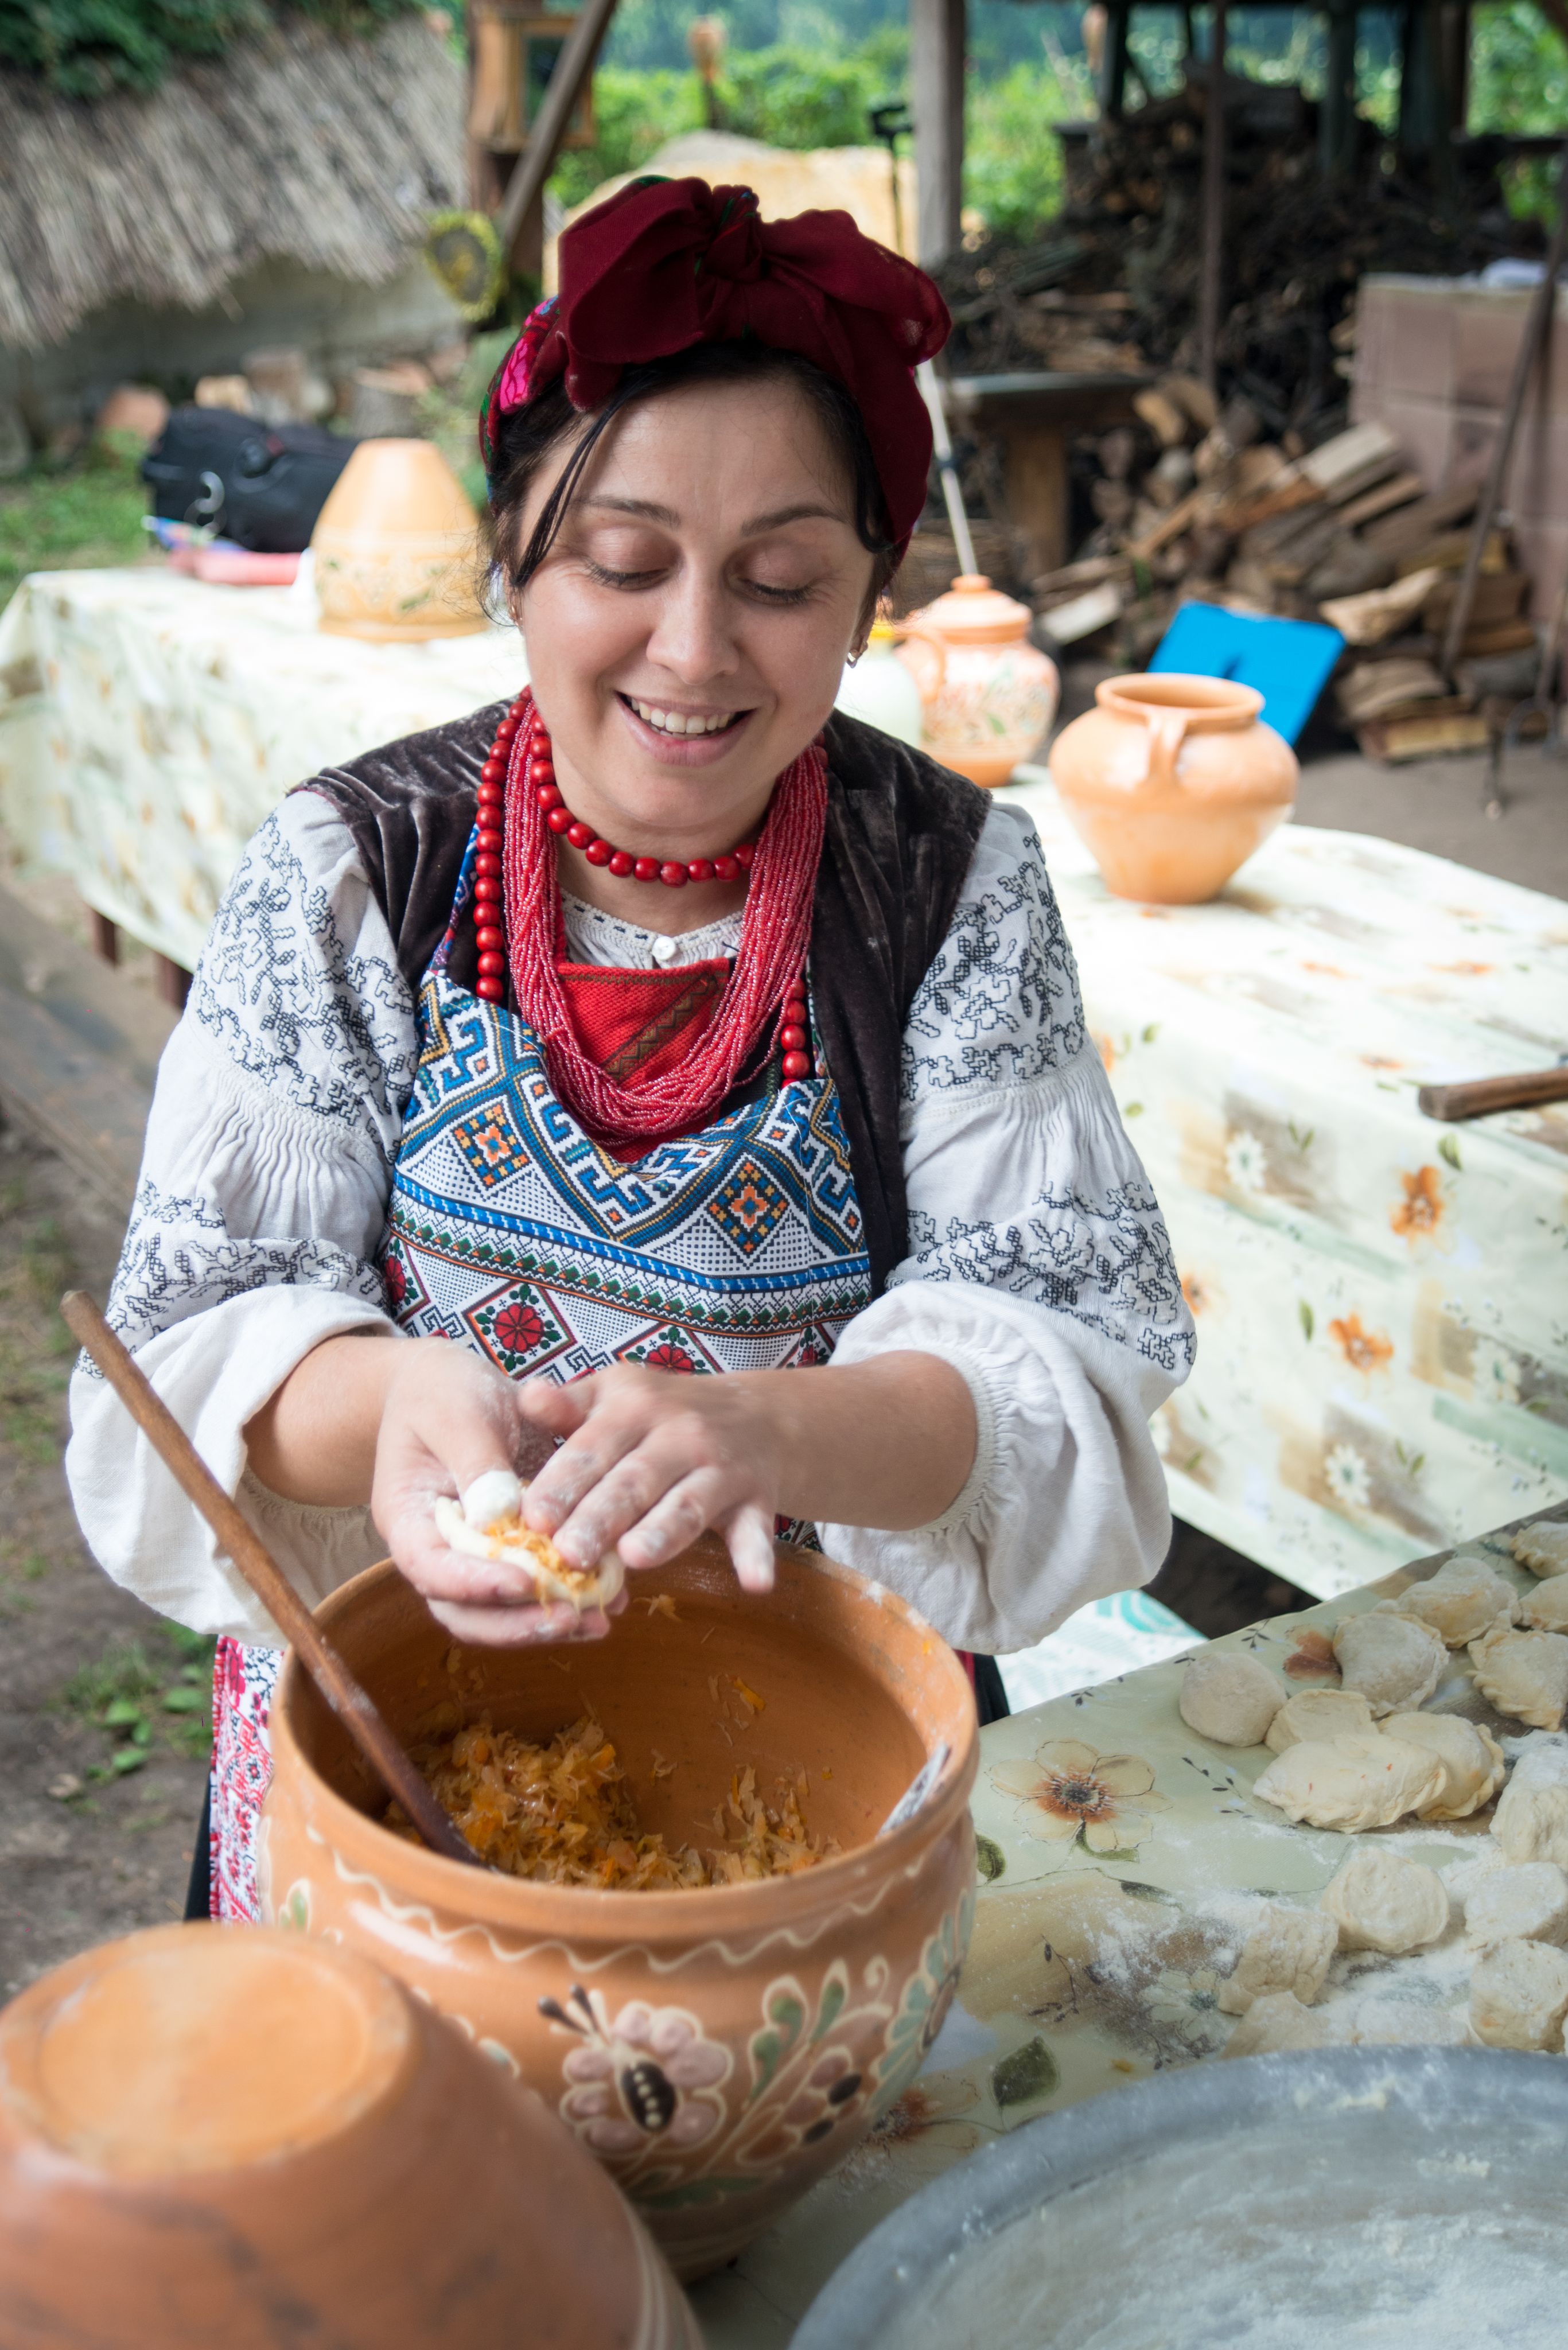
[1482,1096]
[353,1706]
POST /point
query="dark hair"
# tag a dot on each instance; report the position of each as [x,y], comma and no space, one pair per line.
[526,437]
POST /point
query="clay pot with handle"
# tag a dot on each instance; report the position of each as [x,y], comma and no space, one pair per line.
[988,694]
[1172,782]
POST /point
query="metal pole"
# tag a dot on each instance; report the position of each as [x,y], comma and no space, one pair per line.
[1209,287]
[931,392]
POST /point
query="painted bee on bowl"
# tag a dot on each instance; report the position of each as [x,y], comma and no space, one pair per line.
[639,2075]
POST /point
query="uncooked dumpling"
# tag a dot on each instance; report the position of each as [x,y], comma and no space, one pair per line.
[1525,1674]
[1320,1713]
[1530,1822]
[1546,1609]
[1528,1904]
[1543,1548]
[1461,1600]
[1287,1949]
[1350,1782]
[1394,1660]
[1519,1996]
[1277,2020]
[1381,1902]
[1408,2024]
[1229,1697]
[1474,1763]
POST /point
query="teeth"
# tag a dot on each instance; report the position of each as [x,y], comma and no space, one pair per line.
[670,722]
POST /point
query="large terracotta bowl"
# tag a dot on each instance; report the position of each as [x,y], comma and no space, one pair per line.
[1172,783]
[246,2138]
[717,2050]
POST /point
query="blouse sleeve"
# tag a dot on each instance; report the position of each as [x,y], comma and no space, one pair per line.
[261,1203]
[1040,1268]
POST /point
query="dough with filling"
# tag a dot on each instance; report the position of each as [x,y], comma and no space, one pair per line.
[1546,1609]
[1350,1782]
[1525,1674]
[1474,1765]
[1408,2024]
[1395,1661]
[489,1524]
[1459,1603]
[1229,1697]
[1320,1713]
[1519,1996]
[1277,2020]
[1527,1904]
[1381,1902]
[1287,1949]
[1543,1548]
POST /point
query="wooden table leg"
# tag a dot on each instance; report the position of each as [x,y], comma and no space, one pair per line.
[105,935]
[174,981]
[1036,487]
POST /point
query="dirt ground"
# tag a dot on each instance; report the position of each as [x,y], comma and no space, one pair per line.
[103,1707]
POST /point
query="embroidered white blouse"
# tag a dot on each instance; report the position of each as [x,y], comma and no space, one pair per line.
[1039,1264]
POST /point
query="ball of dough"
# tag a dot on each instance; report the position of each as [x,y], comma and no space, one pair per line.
[1381,1902]
[1229,1697]
[1277,2020]
[1519,1996]
[1350,1782]
[1474,1765]
[1395,1661]
[1528,1904]
[1532,1823]
[1543,1548]
[1320,1713]
[1408,2024]
[1546,1609]
[1461,1600]
[1525,1674]
[1287,1949]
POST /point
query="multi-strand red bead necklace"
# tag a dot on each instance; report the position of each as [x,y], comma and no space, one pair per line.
[517,902]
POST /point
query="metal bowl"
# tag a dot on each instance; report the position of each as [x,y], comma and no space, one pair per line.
[1387,2198]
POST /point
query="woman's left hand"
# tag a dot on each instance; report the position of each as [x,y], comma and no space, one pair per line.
[650,1459]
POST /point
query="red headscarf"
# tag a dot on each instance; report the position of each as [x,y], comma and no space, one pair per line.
[668,264]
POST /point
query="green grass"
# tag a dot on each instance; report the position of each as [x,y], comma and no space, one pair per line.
[87,512]
[147,1693]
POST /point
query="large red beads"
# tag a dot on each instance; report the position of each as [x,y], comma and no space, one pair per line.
[796,1064]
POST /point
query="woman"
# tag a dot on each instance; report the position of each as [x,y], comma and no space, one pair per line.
[660,1022]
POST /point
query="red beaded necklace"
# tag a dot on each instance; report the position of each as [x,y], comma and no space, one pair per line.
[516,913]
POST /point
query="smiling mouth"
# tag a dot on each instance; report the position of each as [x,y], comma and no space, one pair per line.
[675,723]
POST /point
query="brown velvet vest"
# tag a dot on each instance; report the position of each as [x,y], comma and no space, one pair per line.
[901,834]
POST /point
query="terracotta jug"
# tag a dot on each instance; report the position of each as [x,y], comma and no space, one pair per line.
[1172,783]
[397,547]
[989,695]
[719,2049]
[219,2136]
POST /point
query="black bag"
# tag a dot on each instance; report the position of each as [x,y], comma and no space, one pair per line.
[263,486]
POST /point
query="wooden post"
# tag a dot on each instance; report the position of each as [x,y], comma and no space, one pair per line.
[105,935]
[520,216]
[1211,282]
[1336,122]
[1114,64]
[937,48]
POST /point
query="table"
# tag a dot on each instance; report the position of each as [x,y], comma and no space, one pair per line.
[1381,1301]
[1088,1969]
[149,722]
[1033,416]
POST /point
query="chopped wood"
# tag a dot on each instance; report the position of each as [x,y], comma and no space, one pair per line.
[1165,420]
[1399,491]
[1381,612]
[1170,527]
[1377,689]
[1507,637]
[1498,596]
[1399,534]
[1447,549]
[1390,741]
[1352,462]
[1075,576]
[1069,623]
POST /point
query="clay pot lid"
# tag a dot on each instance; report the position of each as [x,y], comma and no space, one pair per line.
[973,613]
[1209,704]
[199,2048]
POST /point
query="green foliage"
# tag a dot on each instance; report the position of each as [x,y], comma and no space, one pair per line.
[140,1697]
[1013,166]
[87,514]
[634,112]
[85,48]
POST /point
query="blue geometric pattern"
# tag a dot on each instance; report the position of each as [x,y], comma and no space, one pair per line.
[511,1231]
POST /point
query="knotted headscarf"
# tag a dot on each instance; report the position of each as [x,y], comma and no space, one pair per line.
[668,264]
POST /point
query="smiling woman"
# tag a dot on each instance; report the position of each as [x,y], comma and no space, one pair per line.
[659,1022]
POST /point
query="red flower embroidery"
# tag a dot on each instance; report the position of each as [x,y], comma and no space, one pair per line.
[670,1358]
[396,1281]
[519,1329]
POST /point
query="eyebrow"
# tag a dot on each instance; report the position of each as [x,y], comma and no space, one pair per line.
[649,512]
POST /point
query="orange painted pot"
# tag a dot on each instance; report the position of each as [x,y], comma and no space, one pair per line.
[988,694]
[397,547]
[717,2050]
[1173,781]
[245,2137]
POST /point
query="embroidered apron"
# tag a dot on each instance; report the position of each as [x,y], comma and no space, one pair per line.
[737,1248]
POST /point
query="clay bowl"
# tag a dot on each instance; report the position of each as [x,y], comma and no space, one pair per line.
[717,2050]
[247,2138]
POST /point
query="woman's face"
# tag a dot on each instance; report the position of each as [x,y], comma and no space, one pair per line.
[688,632]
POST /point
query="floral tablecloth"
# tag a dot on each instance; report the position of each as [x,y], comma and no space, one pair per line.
[1124,1859]
[149,722]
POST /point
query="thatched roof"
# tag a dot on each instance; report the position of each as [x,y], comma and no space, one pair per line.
[306,147]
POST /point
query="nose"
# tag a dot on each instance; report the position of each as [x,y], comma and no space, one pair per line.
[693,637]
